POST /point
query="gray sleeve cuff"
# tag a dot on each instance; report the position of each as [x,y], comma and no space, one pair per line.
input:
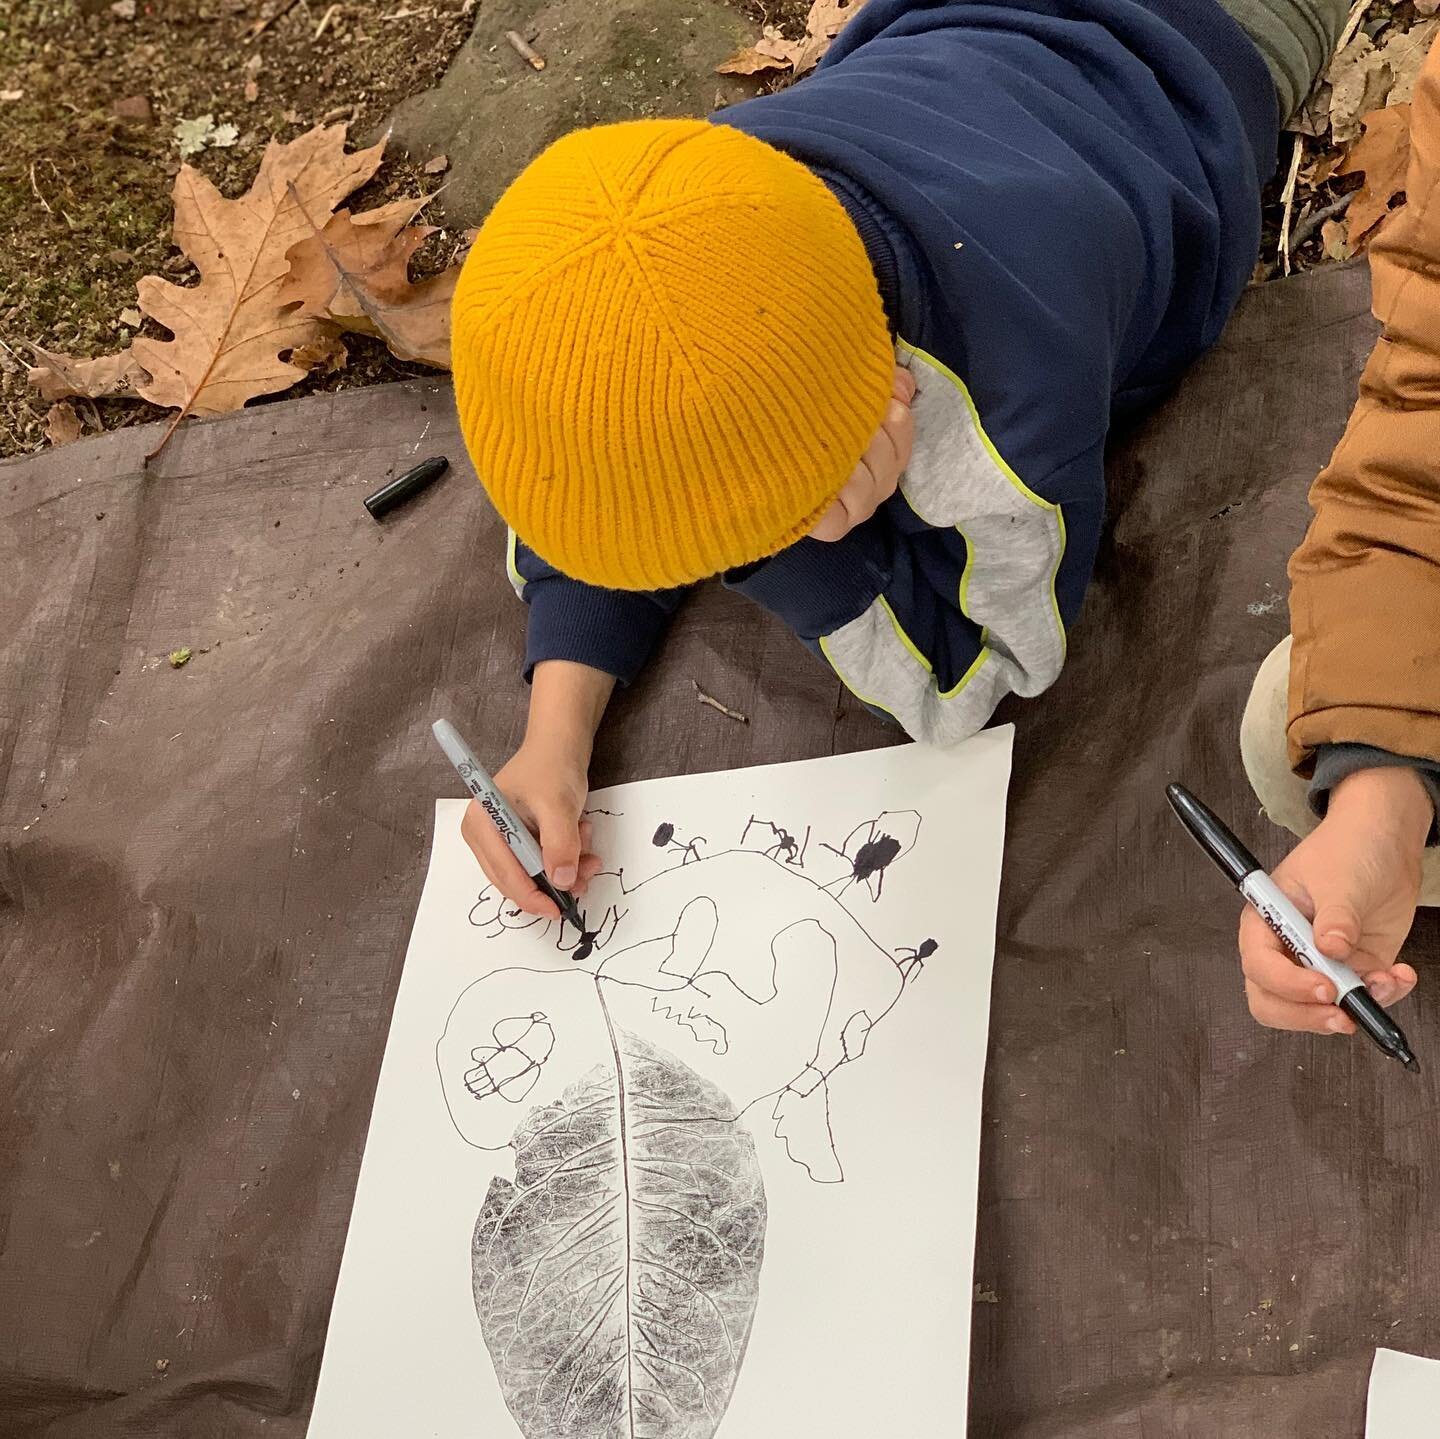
[1334,762]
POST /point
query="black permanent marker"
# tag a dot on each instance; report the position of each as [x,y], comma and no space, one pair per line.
[1277,910]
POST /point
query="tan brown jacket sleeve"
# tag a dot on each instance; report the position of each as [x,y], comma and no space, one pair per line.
[1365,597]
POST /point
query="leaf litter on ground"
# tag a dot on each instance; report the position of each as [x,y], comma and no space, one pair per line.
[1382,156]
[355,273]
[281,278]
[773,53]
[1355,123]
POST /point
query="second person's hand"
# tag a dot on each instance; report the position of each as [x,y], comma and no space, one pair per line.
[1356,877]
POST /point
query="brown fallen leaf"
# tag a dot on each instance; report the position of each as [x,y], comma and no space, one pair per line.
[131,318]
[1426,7]
[1364,76]
[1333,241]
[1319,171]
[770,52]
[231,329]
[1360,80]
[824,22]
[327,354]
[438,166]
[1382,156]
[1405,52]
[252,90]
[62,424]
[61,377]
[354,273]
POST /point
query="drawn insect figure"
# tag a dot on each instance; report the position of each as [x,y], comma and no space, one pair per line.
[912,961]
[509,1068]
[784,846]
[665,838]
[589,940]
[493,914]
[871,848]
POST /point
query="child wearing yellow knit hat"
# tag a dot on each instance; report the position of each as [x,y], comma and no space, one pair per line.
[855,348]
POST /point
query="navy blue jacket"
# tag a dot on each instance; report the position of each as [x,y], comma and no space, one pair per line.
[1060,199]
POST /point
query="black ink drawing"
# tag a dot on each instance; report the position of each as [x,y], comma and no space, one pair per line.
[617,1276]
[511,1065]
[871,848]
[493,914]
[782,843]
[666,838]
[912,961]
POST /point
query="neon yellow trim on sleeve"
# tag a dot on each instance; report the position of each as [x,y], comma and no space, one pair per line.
[840,675]
[975,667]
[1000,461]
[511,567]
[900,634]
[1054,575]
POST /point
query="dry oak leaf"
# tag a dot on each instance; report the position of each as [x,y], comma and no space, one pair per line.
[59,377]
[1364,76]
[827,18]
[62,424]
[327,354]
[355,273]
[232,329]
[1383,156]
[1333,241]
[1405,53]
[771,52]
[1360,81]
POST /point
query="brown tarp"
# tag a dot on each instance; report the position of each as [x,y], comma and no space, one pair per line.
[1189,1226]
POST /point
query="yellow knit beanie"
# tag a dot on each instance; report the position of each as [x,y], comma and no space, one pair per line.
[669,352]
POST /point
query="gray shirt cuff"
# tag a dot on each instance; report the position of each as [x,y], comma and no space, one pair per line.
[1334,762]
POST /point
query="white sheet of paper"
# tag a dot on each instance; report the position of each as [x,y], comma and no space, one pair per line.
[763,954]
[1404,1396]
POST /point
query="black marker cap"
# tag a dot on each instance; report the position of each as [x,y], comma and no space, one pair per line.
[402,487]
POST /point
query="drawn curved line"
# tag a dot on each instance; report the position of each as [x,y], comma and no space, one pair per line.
[845,1044]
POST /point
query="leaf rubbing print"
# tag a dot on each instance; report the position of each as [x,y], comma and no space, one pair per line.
[616,1279]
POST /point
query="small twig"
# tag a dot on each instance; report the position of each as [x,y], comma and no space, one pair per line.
[525,50]
[1311,223]
[716,705]
[1289,198]
[266,21]
[36,188]
[325,19]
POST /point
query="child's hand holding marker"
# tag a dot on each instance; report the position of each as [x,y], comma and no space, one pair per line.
[546,782]
[1357,877]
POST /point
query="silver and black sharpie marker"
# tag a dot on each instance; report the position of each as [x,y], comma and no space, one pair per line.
[512,829]
[1292,928]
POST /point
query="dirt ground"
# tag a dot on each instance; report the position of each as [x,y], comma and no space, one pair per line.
[88,153]
[91,92]
[90,95]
